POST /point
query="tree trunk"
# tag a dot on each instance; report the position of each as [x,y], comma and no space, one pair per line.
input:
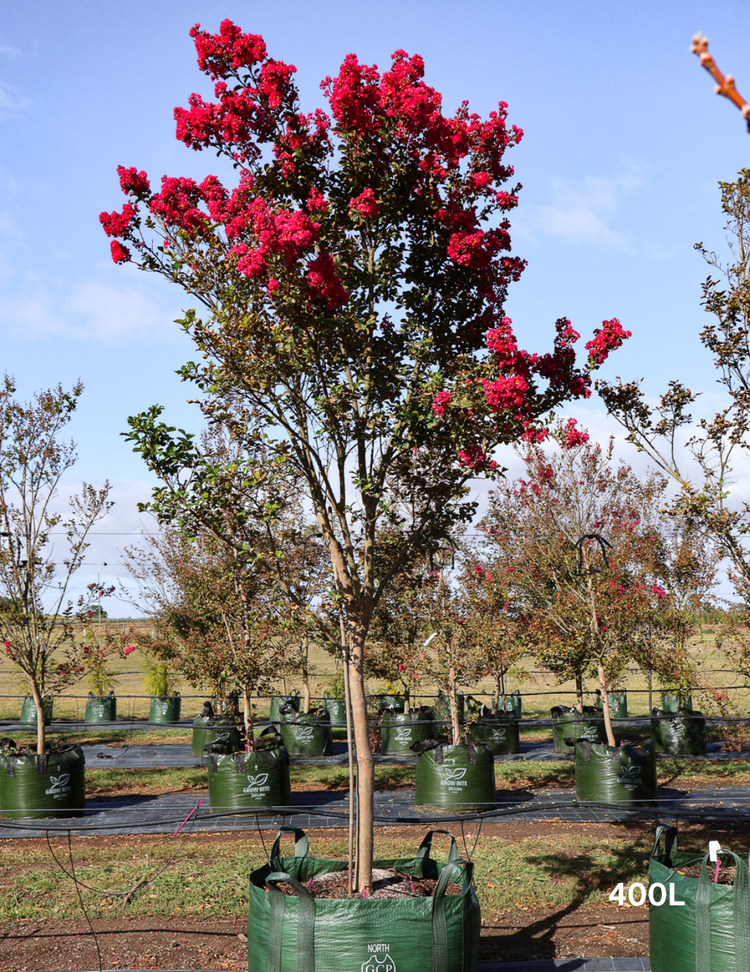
[605,704]
[305,676]
[248,715]
[40,727]
[365,765]
[455,728]
[579,692]
[499,693]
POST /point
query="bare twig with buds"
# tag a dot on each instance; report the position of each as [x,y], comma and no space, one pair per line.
[724,83]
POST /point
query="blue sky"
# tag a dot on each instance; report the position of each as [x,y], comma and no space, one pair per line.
[624,144]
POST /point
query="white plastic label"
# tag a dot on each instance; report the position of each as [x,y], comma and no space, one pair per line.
[714,848]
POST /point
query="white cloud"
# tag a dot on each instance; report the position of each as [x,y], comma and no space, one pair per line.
[583,210]
[11,100]
[90,311]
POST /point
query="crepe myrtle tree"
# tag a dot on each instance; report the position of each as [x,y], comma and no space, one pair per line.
[348,291]
[591,605]
[38,619]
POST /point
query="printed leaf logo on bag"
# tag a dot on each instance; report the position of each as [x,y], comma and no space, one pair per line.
[403,734]
[380,960]
[59,787]
[454,777]
[218,736]
[498,735]
[255,784]
[630,773]
[589,733]
[304,732]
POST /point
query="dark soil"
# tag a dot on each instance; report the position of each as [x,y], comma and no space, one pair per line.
[386,884]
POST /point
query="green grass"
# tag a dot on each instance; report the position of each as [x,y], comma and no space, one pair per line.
[210,875]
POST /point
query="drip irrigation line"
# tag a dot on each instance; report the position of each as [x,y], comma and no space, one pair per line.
[102,891]
[80,901]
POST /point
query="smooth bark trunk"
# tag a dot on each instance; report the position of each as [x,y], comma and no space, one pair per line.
[248,714]
[579,693]
[455,727]
[40,727]
[365,765]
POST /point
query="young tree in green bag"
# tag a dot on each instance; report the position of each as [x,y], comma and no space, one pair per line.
[348,298]
[39,621]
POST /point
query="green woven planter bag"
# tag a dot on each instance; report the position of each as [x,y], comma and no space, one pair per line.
[498,732]
[618,704]
[670,702]
[336,709]
[307,733]
[301,933]
[710,932]
[53,785]
[459,778]
[615,774]
[215,729]
[400,730]
[568,723]
[28,710]
[278,701]
[395,702]
[680,734]
[443,709]
[249,781]
[165,709]
[511,703]
[100,708]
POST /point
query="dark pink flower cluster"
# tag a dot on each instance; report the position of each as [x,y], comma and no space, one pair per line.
[476,250]
[440,403]
[535,434]
[177,204]
[324,282]
[134,182]
[572,436]
[117,224]
[608,337]
[475,458]
[127,651]
[120,253]
[659,591]
[365,205]
[229,50]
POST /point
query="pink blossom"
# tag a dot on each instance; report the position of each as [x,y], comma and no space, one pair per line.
[659,591]
[365,205]
[120,253]
[126,651]
[571,436]
[440,403]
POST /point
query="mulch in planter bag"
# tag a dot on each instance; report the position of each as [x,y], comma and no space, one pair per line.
[248,781]
[28,710]
[279,701]
[336,709]
[615,774]
[301,933]
[679,734]
[213,729]
[497,731]
[460,778]
[443,708]
[569,723]
[400,730]
[307,733]
[710,932]
[165,709]
[53,785]
[100,708]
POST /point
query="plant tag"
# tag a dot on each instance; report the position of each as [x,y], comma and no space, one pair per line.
[714,848]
